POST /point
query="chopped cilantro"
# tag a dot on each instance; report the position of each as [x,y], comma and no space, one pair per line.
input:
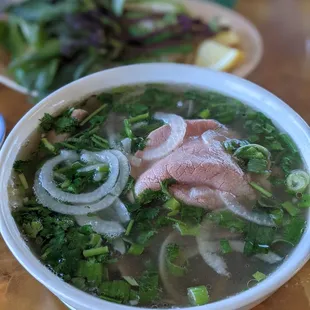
[148,287]
[65,124]
[46,122]
[174,260]
[294,229]
[21,165]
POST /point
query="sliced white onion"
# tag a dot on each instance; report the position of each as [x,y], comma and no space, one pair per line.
[47,201]
[88,157]
[90,168]
[178,130]
[121,211]
[208,251]
[124,172]
[126,143]
[116,212]
[235,207]
[79,209]
[208,246]
[270,257]
[46,178]
[168,286]
[98,176]
[119,245]
[110,229]
[190,252]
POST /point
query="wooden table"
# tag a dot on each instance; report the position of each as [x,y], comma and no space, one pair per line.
[284,70]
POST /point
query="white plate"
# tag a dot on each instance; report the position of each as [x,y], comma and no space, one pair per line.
[251,42]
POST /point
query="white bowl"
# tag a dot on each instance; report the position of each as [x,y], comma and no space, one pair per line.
[251,94]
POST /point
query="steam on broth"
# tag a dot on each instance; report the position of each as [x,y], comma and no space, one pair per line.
[162,196]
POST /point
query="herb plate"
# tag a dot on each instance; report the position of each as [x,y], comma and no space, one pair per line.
[251,42]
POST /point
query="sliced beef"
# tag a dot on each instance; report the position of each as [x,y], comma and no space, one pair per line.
[200,166]
[197,163]
[194,128]
[79,114]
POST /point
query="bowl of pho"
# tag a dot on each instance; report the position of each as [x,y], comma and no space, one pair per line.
[158,186]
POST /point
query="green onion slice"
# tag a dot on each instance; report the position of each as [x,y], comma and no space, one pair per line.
[261,189]
[297,181]
[131,280]
[136,249]
[304,201]
[251,151]
[175,261]
[198,295]
[225,246]
[186,230]
[96,251]
[23,181]
[259,276]
[290,208]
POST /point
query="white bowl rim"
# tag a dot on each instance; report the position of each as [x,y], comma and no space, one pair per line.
[179,73]
[2,129]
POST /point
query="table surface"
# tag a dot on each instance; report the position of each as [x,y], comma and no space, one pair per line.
[284,70]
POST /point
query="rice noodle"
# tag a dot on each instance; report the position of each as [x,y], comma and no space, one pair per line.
[234,206]
[178,130]
[46,178]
